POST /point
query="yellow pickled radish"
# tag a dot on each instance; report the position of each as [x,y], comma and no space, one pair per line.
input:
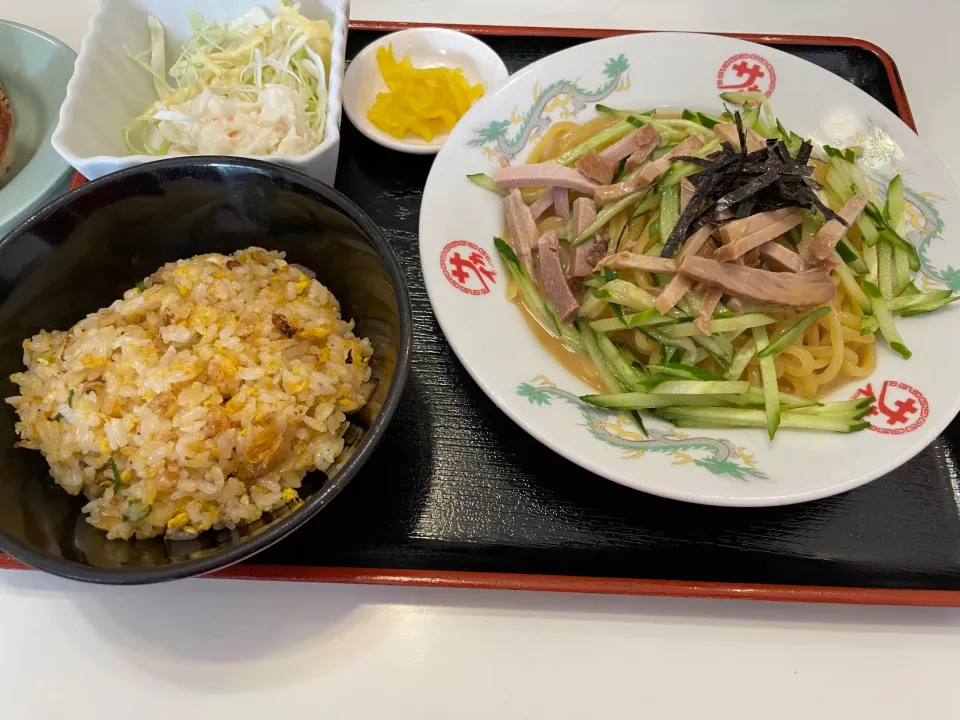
[424,101]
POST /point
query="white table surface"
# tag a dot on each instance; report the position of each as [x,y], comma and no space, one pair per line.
[217,648]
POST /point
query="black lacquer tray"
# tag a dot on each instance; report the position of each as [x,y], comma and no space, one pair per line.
[457,494]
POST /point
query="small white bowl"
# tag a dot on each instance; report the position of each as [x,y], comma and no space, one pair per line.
[426,48]
[108,88]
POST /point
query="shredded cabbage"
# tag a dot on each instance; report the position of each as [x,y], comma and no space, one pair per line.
[255,86]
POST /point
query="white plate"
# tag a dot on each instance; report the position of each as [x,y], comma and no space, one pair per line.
[426,48]
[458,221]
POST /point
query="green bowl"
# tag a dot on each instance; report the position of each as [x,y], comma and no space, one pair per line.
[34,71]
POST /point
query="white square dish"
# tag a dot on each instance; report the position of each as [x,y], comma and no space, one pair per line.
[109,88]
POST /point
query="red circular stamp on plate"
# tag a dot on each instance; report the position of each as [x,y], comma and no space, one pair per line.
[468,267]
[899,408]
[747,72]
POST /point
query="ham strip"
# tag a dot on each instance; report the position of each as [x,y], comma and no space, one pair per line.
[652,172]
[746,243]
[584,255]
[747,226]
[727,132]
[606,194]
[782,258]
[543,175]
[639,157]
[632,261]
[539,206]
[596,168]
[645,137]
[709,302]
[798,290]
[735,305]
[561,202]
[817,249]
[680,284]
[523,229]
[555,285]
[686,192]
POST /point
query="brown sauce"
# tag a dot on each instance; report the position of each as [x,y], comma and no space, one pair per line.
[575,364]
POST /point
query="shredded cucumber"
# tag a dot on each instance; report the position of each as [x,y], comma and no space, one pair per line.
[487,183]
[744,355]
[885,321]
[669,209]
[793,333]
[742,322]
[607,214]
[736,417]
[603,138]
[768,375]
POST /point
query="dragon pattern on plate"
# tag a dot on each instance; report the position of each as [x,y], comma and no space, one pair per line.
[716,455]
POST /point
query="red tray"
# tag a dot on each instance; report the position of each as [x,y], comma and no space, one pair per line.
[558,583]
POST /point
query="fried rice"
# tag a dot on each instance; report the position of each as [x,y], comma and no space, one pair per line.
[200,400]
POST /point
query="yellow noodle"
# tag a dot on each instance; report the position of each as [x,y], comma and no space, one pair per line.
[865,365]
[544,149]
[586,131]
[836,340]
[829,353]
[550,223]
[634,232]
[800,358]
[616,226]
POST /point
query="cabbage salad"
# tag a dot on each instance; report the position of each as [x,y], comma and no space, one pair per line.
[255,86]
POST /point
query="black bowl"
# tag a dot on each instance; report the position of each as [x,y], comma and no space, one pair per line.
[81,252]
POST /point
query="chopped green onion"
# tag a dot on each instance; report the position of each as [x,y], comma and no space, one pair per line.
[141,287]
[138,517]
[58,417]
[794,332]
[117,484]
[70,398]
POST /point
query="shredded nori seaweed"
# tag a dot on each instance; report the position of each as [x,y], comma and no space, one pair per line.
[745,183]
